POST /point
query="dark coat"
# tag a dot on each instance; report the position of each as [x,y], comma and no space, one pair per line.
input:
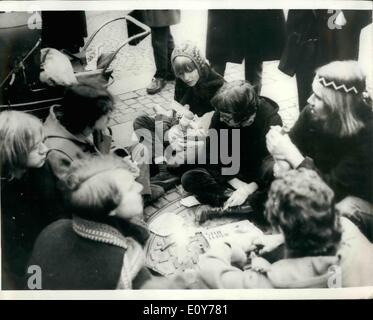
[28,205]
[72,262]
[199,96]
[75,30]
[311,44]
[345,164]
[253,148]
[233,35]
[160,18]
[311,41]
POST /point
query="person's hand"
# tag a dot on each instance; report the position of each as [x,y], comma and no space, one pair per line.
[243,240]
[350,205]
[237,198]
[278,144]
[267,243]
[280,168]
[240,195]
[259,264]
[282,148]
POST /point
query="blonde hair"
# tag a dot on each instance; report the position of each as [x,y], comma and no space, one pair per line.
[18,134]
[347,111]
[91,191]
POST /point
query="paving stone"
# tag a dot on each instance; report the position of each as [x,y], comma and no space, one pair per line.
[160,203]
[112,122]
[125,117]
[130,102]
[149,211]
[128,95]
[172,196]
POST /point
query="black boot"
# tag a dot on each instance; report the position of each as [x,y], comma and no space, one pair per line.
[164,178]
[157,192]
[204,213]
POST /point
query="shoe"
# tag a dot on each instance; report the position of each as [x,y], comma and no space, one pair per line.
[156,192]
[156,85]
[166,180]
[159,110]
[207,212]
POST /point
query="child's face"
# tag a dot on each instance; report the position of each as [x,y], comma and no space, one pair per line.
[131,205]
[103,122]
[228,119]
[189,77]
[38,153]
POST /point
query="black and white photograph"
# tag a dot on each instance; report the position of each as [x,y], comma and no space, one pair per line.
[151,147]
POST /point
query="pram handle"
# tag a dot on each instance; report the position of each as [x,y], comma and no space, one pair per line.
[145,33]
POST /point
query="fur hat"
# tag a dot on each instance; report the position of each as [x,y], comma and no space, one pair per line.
[191,51]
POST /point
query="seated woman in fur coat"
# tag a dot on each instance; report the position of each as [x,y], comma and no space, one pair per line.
[101,247]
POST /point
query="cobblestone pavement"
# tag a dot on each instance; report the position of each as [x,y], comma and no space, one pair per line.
[133,70]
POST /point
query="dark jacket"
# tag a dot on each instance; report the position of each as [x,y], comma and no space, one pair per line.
[233,35]
[312,39]
[160,18]
[28,205]
[75,30]
[346,164]
[199,96]
[85,255]
[253,150]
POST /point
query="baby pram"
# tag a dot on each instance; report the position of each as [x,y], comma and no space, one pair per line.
[20,63]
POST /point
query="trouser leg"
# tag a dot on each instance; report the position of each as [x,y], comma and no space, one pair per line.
[160,44]
[170,48]
[150,132]
[253,74]
[219,66]
[137,152]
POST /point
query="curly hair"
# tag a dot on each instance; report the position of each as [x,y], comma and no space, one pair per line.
[90,190]
[83,104]
[301,205]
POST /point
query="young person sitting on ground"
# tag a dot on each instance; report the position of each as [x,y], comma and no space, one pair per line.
[334,136]
[29,201]
[196,84]
[320,248]
[79,128]
[243,119]
[101,247]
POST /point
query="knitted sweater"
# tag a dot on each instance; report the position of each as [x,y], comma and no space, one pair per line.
[87,255]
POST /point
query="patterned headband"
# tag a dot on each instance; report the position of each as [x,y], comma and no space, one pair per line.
[331,84]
